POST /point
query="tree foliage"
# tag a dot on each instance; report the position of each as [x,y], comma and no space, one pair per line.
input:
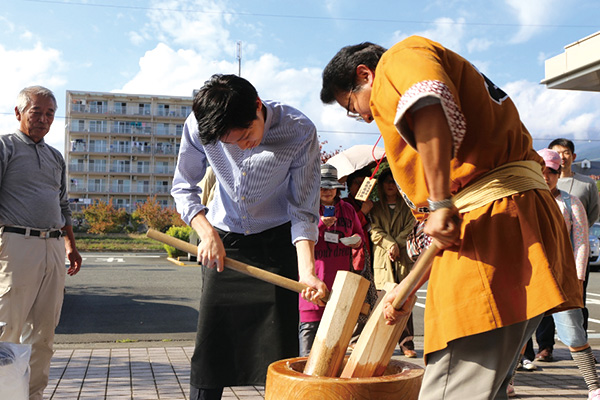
[102,217]
[326,155]
[152,214]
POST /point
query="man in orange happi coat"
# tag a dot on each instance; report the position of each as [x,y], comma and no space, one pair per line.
[507,259]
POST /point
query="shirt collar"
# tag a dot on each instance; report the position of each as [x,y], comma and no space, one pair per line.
[268,117]
[23,137]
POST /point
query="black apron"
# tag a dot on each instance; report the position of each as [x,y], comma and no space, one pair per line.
[245,324]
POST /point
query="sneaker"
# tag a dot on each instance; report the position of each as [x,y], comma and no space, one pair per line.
[529,365]
[520,366]
[594,395]
[544,355]
[510,390]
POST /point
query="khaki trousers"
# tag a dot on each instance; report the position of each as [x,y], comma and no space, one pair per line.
[477,367]
[32,282]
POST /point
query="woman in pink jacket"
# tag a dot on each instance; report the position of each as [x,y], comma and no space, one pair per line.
[338,222]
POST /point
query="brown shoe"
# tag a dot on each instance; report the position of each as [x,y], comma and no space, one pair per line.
[410,353]
[544,355]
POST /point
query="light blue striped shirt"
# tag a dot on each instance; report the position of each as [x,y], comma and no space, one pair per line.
[257,189]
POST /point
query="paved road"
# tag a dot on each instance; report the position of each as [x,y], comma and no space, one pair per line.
[145,297]
[120,297]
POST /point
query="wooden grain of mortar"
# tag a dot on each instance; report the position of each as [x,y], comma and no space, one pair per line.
[286,381]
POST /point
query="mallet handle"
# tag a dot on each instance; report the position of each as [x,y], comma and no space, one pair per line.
[254,272]
[239,266]
[421,267]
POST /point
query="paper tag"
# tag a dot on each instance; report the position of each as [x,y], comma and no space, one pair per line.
[365,189]
[332,237]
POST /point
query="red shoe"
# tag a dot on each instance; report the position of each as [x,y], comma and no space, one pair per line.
[544,355]
[410,353]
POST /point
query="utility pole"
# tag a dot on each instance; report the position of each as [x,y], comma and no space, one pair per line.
[239,57]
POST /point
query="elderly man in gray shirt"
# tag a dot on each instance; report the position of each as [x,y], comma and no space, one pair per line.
[35,233]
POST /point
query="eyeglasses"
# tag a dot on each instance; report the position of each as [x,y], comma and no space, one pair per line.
[349,113]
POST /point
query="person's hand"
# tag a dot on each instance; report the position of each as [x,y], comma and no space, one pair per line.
[316,291]
[211,252]
[443,226]
[358,244]
[75,261]
[366,206]
[328,221]
[390,314]
[394,252]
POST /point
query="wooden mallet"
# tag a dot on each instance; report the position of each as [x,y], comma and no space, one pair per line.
[377,342]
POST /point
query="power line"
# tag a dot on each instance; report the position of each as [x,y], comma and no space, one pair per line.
[309,17]
[324,131]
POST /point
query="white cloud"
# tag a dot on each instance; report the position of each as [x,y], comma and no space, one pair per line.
[135,38]
[549,113]
[447,31]
[478,44]
[202,26]
[164,70]
[532,15]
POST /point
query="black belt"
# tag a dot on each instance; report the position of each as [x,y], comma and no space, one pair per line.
[33,232]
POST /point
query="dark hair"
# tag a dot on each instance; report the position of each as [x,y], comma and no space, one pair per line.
[555,171]
[563,143]
[339,75]
[361,173]
[384,175]
[225,102]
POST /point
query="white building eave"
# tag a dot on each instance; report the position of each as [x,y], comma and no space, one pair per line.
[578,68]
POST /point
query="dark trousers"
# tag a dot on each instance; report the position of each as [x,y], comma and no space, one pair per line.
[586,312]
[205,394]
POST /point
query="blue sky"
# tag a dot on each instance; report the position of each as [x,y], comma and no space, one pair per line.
[171,47]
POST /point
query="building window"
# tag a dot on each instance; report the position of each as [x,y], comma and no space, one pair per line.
[120,146]
[144,109]
[97,126]
[78,145]
[186,110]
[143,167]
[120,108]
[97,165]
[120,166]
[163,110]
[96,185]
[162,129]
[78,106]
[98,146]
[97,107]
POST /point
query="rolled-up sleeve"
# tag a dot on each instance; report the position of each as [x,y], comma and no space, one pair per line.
[305,175]
[191,167]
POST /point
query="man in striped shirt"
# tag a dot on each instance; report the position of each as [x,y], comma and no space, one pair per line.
[265,156]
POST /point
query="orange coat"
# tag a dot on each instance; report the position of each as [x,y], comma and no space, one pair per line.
[515,259]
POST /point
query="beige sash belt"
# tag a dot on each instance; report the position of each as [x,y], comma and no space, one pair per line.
[506,180]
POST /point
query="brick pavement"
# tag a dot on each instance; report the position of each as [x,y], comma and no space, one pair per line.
[151,372]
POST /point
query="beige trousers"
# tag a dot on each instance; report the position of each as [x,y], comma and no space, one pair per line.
[32,281]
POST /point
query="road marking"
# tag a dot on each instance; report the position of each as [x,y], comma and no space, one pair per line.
[110,259]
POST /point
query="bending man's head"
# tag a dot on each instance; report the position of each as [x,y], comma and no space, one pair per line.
[339,76]
[225,103]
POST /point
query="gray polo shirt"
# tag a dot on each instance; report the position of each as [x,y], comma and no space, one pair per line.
[33,191]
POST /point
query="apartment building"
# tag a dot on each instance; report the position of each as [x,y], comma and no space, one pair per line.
[122,146]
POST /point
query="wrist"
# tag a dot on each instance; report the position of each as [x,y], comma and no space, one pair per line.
[435,205]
